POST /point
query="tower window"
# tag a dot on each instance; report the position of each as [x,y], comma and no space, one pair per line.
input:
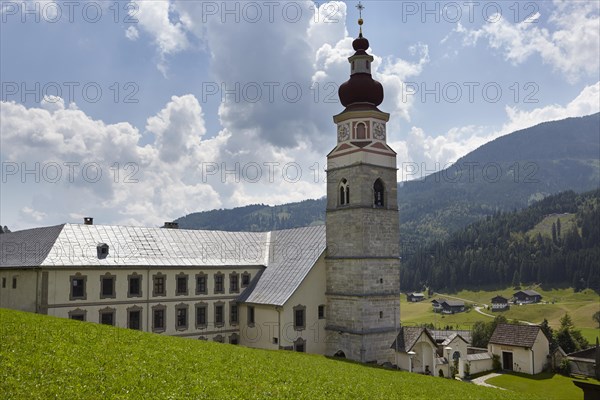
[378,192]
[361,131]
[380,314]
[344,192]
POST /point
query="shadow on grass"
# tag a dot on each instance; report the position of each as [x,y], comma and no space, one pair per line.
[537,377]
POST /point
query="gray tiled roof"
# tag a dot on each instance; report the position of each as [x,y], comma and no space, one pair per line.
[450,338]
[293,254]
[441,335]
[479,356]
[515,335]
[454,303]
[528,292]
[28,248]
[407,338]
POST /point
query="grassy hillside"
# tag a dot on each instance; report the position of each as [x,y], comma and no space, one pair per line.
[581,306]
[43,357]
[554,386]
[544,228]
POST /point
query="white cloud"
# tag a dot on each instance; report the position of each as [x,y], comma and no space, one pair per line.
[434,152]
[157,19]
[31,214]
[132,33]
[571,48]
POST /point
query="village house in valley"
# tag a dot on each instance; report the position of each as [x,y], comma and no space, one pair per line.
[445,306]
[500,303]
[527,297]
[415,297]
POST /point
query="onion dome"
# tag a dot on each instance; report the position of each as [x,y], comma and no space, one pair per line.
[361,90]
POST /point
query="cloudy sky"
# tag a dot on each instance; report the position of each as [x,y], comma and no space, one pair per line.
[141,112]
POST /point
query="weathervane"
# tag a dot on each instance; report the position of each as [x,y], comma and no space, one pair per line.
[360,8]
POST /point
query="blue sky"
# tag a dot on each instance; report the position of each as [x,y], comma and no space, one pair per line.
[163,140]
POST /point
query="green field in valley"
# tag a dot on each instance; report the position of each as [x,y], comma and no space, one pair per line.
[544,227]
[555,302]
[43,357]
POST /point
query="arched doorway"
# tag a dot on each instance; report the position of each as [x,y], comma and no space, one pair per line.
[340,354]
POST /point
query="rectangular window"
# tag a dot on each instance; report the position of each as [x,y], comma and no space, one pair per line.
[78,317]
[299,317]
[107,317]
[135,286]
[233,314]
[181,320]
[245,279]
[134,319]
[250,315]
[321,312]
[107,287]
[158,322]
[3,282]
[78,288]
[14,283]
[201,311]
[219,283]
[219,320]
[201,284]
[234,285]
[182,285]
[159,285]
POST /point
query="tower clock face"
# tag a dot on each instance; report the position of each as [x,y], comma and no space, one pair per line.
[343,132]
[379,131]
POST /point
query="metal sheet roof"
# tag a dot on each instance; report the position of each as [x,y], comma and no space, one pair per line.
[292,254]
[288,255]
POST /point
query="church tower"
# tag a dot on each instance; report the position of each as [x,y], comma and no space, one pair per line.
[363,264]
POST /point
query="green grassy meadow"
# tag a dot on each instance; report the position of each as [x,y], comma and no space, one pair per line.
[43,357]
[581,306]
[553,386]
[544,227]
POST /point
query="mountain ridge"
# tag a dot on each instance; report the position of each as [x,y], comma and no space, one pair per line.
[507,173]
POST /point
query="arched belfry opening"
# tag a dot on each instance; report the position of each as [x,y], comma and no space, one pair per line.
[378,193]
[344,192]
[361,131]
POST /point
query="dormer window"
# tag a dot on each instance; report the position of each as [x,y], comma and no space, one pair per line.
[102,250]
[344,192]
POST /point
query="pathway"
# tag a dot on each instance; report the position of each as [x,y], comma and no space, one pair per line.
[481,380]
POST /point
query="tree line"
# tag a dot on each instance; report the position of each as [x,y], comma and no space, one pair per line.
[499,251]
